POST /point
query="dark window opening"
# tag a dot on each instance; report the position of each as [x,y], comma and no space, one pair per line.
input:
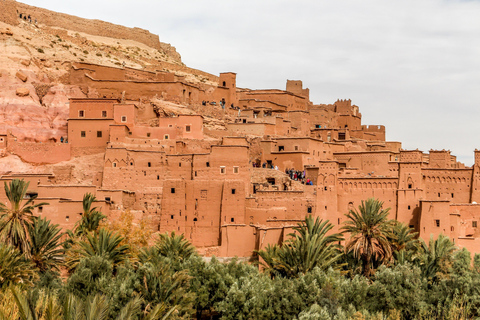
[325,188]
[158,177]
[148,134]
[411,226]
[437,223]
[171,217]
[452,195]
[474,224]
[244,120]
[271,181]
[99,134]
[81,113]
[439,194]
[341,136]
[317,126]
[309,209]
[232,220]
[233,191]
[179,164]
[281,148]
[408,207]
[108,199]
[172,190]
[104,114]
[208,164]
[224,83]
[187,128]
[40,209]
[149,164]
[82,134]
[410,186]
[195,219]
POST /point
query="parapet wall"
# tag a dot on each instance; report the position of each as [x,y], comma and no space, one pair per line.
[73,23]
[40,153]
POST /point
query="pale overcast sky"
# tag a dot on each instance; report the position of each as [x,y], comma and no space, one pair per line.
[412,65]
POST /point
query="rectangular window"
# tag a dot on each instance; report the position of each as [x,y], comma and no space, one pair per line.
[232,220]
[82,134]
[341,136]
[233,191]
[172,190]
[437,223]
[207,164]
[296,148]
[474,224]
[222,170]
[309,209]
[104,114]
[165,137]
[235,169]
[99,134]
[124,119]
[187,128]
[148,134]
[81,113]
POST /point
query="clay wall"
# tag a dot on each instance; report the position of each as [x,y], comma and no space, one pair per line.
[447,184]
[373,163]
[191,126]
[89,133]
[440,159]
[469,216]
[434,219]
[351,192]
[260,104]
[296,87]
[40,153]
[102,72]
[178,92]
[321,117]
[237,240]
[93,27]
[257,129]
[279,207]
[124,113]
[300,121]
[70,192]
[171,67]
[291,101]
[411,156]
[92,108]
[350,122]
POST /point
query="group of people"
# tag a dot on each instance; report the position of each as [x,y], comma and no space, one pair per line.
[221,104]
[298,175]
[27,18]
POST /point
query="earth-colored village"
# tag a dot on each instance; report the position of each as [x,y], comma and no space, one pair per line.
[233,169]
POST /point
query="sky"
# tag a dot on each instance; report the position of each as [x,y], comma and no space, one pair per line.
[411,65]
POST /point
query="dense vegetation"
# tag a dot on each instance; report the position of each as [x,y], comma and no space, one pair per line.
[107,271]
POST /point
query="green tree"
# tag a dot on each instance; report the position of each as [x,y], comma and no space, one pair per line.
[437,258]
[405,243]
[308,247]
[14,220]
[370,233]
[104,243]
[14,268]
[44,248]
[91,217]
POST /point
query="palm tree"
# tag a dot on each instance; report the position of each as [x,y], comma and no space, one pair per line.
[91,217]
[14,268]
[14,221]
[437,257]
[175,246]
[404,243]
[104,243]
[370,233]
[45,249]
[308,247]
